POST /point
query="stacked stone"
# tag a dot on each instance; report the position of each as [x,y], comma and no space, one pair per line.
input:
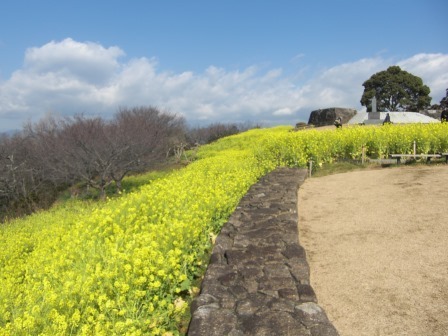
[257,282]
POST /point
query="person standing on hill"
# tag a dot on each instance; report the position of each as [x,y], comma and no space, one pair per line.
[338,122]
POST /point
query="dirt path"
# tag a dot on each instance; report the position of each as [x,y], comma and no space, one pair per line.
[377,243]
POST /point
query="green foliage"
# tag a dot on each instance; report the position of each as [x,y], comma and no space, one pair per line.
[129,266]
[337,167]
[396,90]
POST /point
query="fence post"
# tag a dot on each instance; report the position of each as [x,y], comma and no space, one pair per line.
[310,168]
[363,157]
[415,149]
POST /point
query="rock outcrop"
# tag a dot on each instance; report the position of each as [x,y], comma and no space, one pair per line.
[324,117]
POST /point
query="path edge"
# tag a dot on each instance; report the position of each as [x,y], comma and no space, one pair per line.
[258,278]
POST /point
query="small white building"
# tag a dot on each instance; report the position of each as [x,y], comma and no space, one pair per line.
[374,118]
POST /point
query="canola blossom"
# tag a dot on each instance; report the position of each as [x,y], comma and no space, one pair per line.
[126,266]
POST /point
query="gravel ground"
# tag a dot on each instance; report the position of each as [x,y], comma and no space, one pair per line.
[377,244]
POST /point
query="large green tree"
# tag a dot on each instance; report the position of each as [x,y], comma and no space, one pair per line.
[396,90]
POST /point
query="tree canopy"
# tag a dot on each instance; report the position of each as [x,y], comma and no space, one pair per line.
[396,90]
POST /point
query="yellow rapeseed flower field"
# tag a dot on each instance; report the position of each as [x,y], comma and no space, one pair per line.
[127,266]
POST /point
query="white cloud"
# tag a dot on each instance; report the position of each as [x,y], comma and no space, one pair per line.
[432,69]
[69,77]
[341,86]
[88,61]
[283,111]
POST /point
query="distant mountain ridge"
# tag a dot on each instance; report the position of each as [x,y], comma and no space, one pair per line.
[9,132]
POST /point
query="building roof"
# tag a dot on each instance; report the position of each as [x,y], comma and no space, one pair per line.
[395,117]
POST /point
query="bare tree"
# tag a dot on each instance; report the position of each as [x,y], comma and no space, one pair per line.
[55,153]
[143,136]
[47,149]
[98,152]
[71,150]
[215,131]
[22,181]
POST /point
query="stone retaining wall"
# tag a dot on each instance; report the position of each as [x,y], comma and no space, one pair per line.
[257,282]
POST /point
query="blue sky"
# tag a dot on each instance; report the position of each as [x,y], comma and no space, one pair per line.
[271,62]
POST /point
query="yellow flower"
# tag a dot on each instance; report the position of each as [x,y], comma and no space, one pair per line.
[156,284]
[76,317]
[179,304]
